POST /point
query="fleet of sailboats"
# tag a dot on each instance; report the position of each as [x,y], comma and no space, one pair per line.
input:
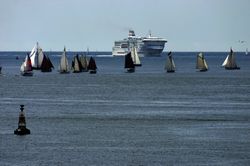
[201,63]
[38,60]
[170,65]
[26,67]
[64,63]
[230,62]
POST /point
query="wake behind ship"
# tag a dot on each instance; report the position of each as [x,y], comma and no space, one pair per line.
[146,46]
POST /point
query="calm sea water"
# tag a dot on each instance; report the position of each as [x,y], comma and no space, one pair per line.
[114,118]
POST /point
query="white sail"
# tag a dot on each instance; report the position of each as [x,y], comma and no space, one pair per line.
[246,51]
[170,65]
[40,57]
[64,64]
[33,56]
[22,68]
[225,61]
[230,62]
[135,56]
[36,56]
[201,63]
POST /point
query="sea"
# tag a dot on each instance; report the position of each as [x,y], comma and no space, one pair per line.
[146,118]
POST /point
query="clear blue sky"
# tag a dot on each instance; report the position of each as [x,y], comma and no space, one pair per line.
[188,25]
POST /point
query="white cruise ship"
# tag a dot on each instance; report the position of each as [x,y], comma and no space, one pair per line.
[146,46]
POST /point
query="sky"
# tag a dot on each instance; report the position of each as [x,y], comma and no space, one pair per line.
[187,25]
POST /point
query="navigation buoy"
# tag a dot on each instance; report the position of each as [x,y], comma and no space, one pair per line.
[21,130]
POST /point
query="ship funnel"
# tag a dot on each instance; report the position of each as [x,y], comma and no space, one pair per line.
[131,33]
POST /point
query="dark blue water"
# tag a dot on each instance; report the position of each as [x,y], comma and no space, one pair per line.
[113,118]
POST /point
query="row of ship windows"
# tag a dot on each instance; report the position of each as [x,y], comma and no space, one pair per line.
[122,45]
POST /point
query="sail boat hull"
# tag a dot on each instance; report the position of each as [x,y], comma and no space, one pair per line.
[46,70]
[170,71]
[138,65]
[92,72]
[232,68]
[64,72]
[27,74]
[131,70]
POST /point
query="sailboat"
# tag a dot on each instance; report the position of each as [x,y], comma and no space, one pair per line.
[201,63]
[26,67]
[76,65]
[135,57]
[92,66]
[129,64]
[230,62]
[36,57]
[246,51]
[64,64]
[84,63]
[46,65]
[170,65]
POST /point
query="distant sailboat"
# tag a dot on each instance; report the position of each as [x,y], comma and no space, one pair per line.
[84,63]
[230,62]
[36,57]
[76,65]
[64,64]
[92,66]
[246,51]
[170,65]
[26,67]
[201,63]
[129,64]
[46,65]
[135,56]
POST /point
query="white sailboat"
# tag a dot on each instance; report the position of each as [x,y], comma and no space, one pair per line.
[36,57]
[230,62]
[135,56]
[26,67]
[170,65]
[64,64]
[246,51]
[201,63]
